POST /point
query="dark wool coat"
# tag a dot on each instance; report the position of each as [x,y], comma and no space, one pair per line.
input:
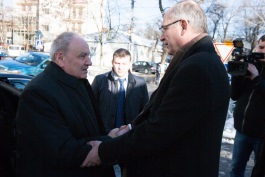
[105,89]
[249,114]
[179,132]
[57,116]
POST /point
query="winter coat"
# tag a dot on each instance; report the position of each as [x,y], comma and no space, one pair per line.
[249,114]
[180,130]
[57,116]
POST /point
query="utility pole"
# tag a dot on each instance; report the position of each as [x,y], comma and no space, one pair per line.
[38,15]
[12,32]
[2,16]
[131,30]
[38,20]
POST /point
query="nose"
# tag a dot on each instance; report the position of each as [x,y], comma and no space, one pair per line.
[88,61]
[162,37]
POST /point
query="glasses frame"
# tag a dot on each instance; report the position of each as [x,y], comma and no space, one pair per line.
[164,27]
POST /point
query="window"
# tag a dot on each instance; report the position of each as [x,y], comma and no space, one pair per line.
[46,27]
[46,11]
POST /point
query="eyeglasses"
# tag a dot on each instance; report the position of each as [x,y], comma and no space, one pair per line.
[164,27]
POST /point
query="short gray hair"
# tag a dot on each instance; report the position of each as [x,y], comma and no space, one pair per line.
[192,12]
[61,43]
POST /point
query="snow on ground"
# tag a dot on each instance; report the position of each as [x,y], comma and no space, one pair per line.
[229,131]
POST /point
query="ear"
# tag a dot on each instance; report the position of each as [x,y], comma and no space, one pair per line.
[184,25]
[59,59]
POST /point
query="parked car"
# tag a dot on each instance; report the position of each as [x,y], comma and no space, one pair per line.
[144,67]
[31,63]
[17,81]
[11,86]
[2,55]
[15,50]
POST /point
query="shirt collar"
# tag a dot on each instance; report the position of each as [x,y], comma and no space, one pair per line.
[114,75]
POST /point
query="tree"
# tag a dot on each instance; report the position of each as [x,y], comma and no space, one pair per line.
[254,20]
[216,13]
[112,10]
[229,15]
[164,48]
[100,23]
[103,17]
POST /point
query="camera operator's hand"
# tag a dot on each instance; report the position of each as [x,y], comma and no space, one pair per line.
[253,71]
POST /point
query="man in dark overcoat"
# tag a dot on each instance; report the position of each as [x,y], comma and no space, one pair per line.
[179,132]
[57,115]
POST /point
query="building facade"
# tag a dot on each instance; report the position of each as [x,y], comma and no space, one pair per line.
[30,20]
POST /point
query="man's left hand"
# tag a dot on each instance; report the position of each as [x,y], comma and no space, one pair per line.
[92,158]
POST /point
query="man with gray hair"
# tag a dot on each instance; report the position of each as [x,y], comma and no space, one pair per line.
[57,115]
[179,132]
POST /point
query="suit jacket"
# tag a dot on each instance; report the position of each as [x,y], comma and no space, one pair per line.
[106,89]
[57,116]
[180,130]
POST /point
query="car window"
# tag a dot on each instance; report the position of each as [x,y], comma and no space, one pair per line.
[2,67]
[31,59]
[13,48]
[136,63]
[19,84]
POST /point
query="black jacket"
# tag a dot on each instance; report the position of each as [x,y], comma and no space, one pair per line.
[57,116]
[249,114]
[106,89]
[181,128]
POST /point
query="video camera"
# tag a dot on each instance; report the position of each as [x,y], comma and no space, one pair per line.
[241,57]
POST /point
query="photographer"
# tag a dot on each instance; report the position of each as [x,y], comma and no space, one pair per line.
[249,116]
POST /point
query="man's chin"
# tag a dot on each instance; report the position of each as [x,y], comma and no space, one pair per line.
[84,75]
[121,74]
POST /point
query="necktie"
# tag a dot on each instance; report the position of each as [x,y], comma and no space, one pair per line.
[120,105]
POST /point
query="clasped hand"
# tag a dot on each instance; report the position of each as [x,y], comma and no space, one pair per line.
[92,158]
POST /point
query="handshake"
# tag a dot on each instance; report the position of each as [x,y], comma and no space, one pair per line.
[92,158]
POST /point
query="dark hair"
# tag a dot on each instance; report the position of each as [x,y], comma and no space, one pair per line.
[121,53]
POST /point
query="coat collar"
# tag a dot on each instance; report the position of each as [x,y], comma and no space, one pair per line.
[131,79]
[59,74]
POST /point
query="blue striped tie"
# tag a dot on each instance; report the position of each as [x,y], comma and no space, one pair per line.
[120,106]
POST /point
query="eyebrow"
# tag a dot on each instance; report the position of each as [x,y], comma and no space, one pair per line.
[83,53]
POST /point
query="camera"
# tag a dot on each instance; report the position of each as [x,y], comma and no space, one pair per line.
[241,57]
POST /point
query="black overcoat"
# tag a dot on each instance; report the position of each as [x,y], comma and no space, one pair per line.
[179,132]
[56,117]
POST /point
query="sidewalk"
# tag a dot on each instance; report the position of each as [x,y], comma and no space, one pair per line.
[226,156]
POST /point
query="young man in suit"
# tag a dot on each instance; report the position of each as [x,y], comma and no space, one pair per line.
[107,90]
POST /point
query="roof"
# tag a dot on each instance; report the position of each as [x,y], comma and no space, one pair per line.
[120,37]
